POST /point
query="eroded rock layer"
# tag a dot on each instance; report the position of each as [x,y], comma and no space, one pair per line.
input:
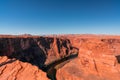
[12,69]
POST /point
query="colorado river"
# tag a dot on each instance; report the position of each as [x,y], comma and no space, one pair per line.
[52,67]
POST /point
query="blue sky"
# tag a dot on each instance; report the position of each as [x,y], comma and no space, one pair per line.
[60,16]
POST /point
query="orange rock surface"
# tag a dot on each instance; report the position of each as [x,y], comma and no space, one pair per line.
[11,69]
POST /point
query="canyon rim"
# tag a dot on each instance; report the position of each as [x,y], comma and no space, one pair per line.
[59,57]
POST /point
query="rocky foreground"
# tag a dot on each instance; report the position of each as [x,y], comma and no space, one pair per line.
[63,57]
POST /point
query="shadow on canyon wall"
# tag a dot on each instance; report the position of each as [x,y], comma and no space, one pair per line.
[118,58]
[33,54]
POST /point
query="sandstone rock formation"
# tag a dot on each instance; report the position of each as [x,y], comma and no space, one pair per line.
[63,57]
[12,69]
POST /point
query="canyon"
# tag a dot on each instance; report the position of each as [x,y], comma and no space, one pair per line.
[59,57]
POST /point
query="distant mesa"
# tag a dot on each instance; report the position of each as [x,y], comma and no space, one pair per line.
[26,35]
